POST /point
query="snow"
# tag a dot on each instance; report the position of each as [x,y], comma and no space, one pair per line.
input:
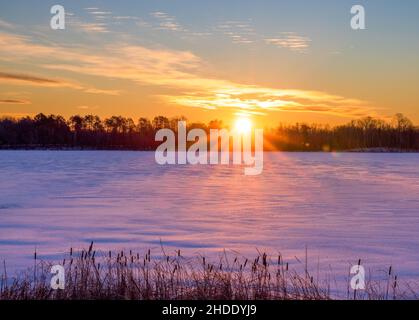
[341,206]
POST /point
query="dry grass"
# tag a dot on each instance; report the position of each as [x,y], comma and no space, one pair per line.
[128,275]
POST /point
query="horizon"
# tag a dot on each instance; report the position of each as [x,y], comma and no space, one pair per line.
[271,62]
[273,126]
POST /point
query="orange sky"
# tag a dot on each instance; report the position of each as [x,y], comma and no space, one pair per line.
[110,63]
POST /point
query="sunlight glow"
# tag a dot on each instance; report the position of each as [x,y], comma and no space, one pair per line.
[243,126]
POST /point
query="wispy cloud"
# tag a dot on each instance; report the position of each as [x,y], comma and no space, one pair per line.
[6,25]
[99,23]
[291,41]
[10,43]
[125,18]
[40,81]
[27,78]
[167,22]
[182,71]
[238,31]
[86,107]
[99,14]
[103,91]
[260,100]
[37,81]
[94,27]
[14,101]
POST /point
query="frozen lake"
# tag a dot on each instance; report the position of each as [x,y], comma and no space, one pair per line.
[341,206]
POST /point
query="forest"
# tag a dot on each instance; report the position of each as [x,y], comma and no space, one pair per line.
[121,133]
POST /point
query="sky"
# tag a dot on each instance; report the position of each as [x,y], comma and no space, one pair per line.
[270,60]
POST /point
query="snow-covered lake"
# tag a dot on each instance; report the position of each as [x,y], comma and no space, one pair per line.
[341,206]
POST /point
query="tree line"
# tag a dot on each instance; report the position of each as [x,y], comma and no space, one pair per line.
[117,132]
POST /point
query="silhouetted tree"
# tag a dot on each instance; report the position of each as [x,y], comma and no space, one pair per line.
[118,132]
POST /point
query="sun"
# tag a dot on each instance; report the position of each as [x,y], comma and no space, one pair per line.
[243,126]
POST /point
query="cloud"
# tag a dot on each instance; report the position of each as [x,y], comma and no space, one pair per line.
[25,77]
[120,60]
[14,47]
[181,72]
[136,63]
[14,101]
[163,21]
[6,25]
[238,31]
[98,15]
[291,41]
[86,107]
[32,80]
[260,100]
[98,25]
[167,22]
[103,91]
[94,27]
[126,18]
